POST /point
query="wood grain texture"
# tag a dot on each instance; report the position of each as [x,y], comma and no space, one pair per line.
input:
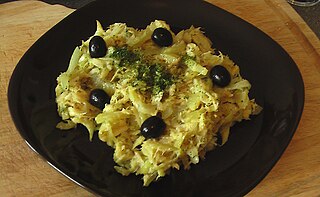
[23,173]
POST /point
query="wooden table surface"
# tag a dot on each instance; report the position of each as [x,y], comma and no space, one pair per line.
[297,173]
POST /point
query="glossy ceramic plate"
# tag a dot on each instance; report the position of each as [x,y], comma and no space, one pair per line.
[232,170]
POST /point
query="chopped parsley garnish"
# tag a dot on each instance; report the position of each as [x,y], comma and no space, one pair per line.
[125,56]
[154,77]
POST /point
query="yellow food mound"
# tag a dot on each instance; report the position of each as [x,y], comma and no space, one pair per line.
[181,92]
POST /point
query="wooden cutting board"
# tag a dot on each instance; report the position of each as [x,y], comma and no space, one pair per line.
[23,173]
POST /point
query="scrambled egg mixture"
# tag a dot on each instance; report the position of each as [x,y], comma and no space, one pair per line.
[145,80]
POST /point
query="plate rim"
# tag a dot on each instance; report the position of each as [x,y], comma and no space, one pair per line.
[22,131]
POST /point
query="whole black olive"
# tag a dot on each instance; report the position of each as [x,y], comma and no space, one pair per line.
[162,37]
[99,98]
[153,127]
[97,47]
[220,76]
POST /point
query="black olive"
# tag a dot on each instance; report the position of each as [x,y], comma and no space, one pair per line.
[97,47]
[153,127]
[220,76]
[162,37]
[99,98]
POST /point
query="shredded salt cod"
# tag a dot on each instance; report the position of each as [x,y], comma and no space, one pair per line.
[177,83]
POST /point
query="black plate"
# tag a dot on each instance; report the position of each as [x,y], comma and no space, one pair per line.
[232,170]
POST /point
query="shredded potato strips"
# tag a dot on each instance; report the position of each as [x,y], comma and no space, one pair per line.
[145,80]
